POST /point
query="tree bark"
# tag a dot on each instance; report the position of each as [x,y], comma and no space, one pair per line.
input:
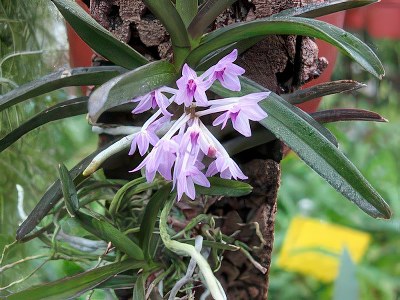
[279,63]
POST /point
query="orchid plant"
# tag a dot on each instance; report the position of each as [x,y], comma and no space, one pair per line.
[185,150]
[178,142]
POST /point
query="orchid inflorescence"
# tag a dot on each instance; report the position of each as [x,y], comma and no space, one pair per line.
[179,153]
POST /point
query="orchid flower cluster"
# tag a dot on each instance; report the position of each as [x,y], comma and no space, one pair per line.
[178,155]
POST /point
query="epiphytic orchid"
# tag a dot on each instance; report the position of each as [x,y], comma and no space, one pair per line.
[184,151]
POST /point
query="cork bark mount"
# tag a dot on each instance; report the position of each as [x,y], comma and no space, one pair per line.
[280,63]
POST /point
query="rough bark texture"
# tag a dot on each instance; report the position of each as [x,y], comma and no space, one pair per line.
[280,63]
[251,220]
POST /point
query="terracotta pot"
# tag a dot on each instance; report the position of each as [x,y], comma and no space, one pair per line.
[330,53]
[355,18]
[383,19]
[80,54]
[380,20]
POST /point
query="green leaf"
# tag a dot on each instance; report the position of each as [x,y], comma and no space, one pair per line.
[187,9]
[59,111]
[69,190]
[98,38]
[109,233]
[323,157]
[207,14]
[289,125]
[315,10]
[249,86]
[166,12]
[346,285]
[72,287]
[118,282]
[294,128]
[59,79]
[122,89]
[307,11]
[53,195]
[344,41]
[150,216]
[138,290]
[116,202]
[225,187]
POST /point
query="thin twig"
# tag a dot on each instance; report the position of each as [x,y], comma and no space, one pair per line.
[9,266]
[5,249]
[26,277]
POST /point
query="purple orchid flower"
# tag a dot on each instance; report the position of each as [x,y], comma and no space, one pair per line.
[178,155]
[160,159]
[240,111]
[191,87]
[226,72]
[147,135]
[187,178]
[152,100]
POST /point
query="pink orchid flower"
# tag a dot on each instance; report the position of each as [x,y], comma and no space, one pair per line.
[240,111]
[226,72]
[191,87]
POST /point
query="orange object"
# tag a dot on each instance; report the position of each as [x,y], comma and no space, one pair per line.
[380,20]
[330,53]
[80,54]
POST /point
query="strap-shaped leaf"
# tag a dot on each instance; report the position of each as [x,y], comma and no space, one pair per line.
[136,186]
[98,227]
[68,190]
[166,12]
[59,79]
[53,196]
[315,10]
[285,121]
[249,86]
[208,12]
[150,216]
[98,38]
[59,111]
[225,187]
[120,90]
[72,287]
[118,282]
[346,114]
[321,90]
[344,41]
[108,233]
[187,9]
[139,289]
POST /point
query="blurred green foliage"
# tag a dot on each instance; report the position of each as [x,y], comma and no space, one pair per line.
[374,149]
[29,50]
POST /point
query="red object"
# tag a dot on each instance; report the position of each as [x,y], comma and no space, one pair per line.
[355,18]
[80,54]
[330,53]
[380,20]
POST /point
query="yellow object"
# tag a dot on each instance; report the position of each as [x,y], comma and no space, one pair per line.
[313,247]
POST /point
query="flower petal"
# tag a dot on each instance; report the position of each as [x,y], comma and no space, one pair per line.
[241,124]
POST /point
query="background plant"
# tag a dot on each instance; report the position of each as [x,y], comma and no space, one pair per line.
[378,273]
